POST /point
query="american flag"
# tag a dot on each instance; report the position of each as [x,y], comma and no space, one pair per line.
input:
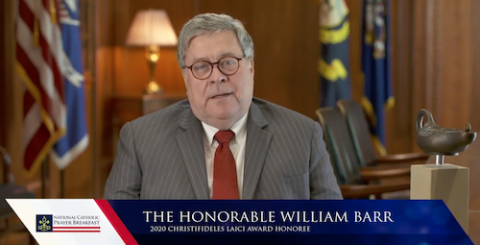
[47,72]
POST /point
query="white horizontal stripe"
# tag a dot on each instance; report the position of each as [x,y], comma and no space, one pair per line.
[75,228]
[69,21]
[31,124]
[25,40]
[76,231]
[62,162]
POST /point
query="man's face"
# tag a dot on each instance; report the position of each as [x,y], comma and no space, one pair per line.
[220,100]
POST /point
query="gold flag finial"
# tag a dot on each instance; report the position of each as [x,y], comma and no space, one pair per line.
[53,11]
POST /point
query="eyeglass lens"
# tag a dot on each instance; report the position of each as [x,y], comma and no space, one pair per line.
[202,69]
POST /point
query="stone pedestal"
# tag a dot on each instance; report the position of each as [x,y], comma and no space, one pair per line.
[449,183]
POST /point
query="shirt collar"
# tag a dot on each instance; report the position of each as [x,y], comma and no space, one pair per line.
[239,128]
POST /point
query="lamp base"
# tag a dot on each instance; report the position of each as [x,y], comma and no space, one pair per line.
[153,88]
[152,55]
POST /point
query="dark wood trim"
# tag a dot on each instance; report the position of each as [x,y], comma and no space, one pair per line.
[431,63]
[90,68]
[2,74]
[475,102]
[474,118]
[402,13]
[418,62]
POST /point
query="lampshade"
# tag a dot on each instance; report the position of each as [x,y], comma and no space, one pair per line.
[151,27]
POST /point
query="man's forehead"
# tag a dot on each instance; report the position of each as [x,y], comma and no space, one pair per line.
[212,44]
[212,34]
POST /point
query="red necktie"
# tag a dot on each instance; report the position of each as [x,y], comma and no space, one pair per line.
[224,170]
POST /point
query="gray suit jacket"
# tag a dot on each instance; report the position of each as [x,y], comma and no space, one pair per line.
[161,156]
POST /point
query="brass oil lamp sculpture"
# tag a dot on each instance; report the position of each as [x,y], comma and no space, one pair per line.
[435,140]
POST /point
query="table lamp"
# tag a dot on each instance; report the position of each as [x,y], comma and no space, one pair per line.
[152,29]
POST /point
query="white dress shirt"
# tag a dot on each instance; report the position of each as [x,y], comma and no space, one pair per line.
[237,146]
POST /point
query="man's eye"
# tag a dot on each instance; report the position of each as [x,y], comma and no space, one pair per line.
[200,67]
[228,62]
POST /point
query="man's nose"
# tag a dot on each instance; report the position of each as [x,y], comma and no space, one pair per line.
[217,75]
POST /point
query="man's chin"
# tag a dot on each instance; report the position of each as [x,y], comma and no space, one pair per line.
[224,120]
[224,111]
[225,116]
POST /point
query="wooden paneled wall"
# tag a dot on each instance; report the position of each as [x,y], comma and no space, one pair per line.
[284,32]
[437,55]
[2,71]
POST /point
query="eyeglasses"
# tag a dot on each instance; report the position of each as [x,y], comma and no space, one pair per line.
[203,69]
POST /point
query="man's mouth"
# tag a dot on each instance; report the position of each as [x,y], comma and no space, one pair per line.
[219,96]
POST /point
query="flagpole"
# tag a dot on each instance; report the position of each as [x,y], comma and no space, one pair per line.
[92,19]
[44,177]
[62,183]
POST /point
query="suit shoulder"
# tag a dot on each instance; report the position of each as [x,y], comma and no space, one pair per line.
[170,114]
[278,113]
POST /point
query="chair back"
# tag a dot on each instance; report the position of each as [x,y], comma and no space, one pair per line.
[340,146]
[359,129]
[9,190]
[7,175]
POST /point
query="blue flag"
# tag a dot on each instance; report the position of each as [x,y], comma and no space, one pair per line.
[377,68]
[75,140]
[334,58]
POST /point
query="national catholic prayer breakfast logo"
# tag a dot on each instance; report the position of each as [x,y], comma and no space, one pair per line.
[67,223]
[44,223]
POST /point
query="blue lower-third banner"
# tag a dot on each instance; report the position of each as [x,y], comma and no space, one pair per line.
[88,221]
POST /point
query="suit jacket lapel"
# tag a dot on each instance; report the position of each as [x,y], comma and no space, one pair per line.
[258,143]
[190,143]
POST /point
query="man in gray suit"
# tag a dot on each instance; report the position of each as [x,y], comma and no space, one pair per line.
[221,143]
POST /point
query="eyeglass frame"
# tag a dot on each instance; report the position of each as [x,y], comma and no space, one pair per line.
[215,63]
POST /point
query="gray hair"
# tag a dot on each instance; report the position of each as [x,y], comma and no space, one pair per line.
[210,23]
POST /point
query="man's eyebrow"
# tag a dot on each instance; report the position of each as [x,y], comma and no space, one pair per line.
[223,55]
[198,59]
[227,54]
